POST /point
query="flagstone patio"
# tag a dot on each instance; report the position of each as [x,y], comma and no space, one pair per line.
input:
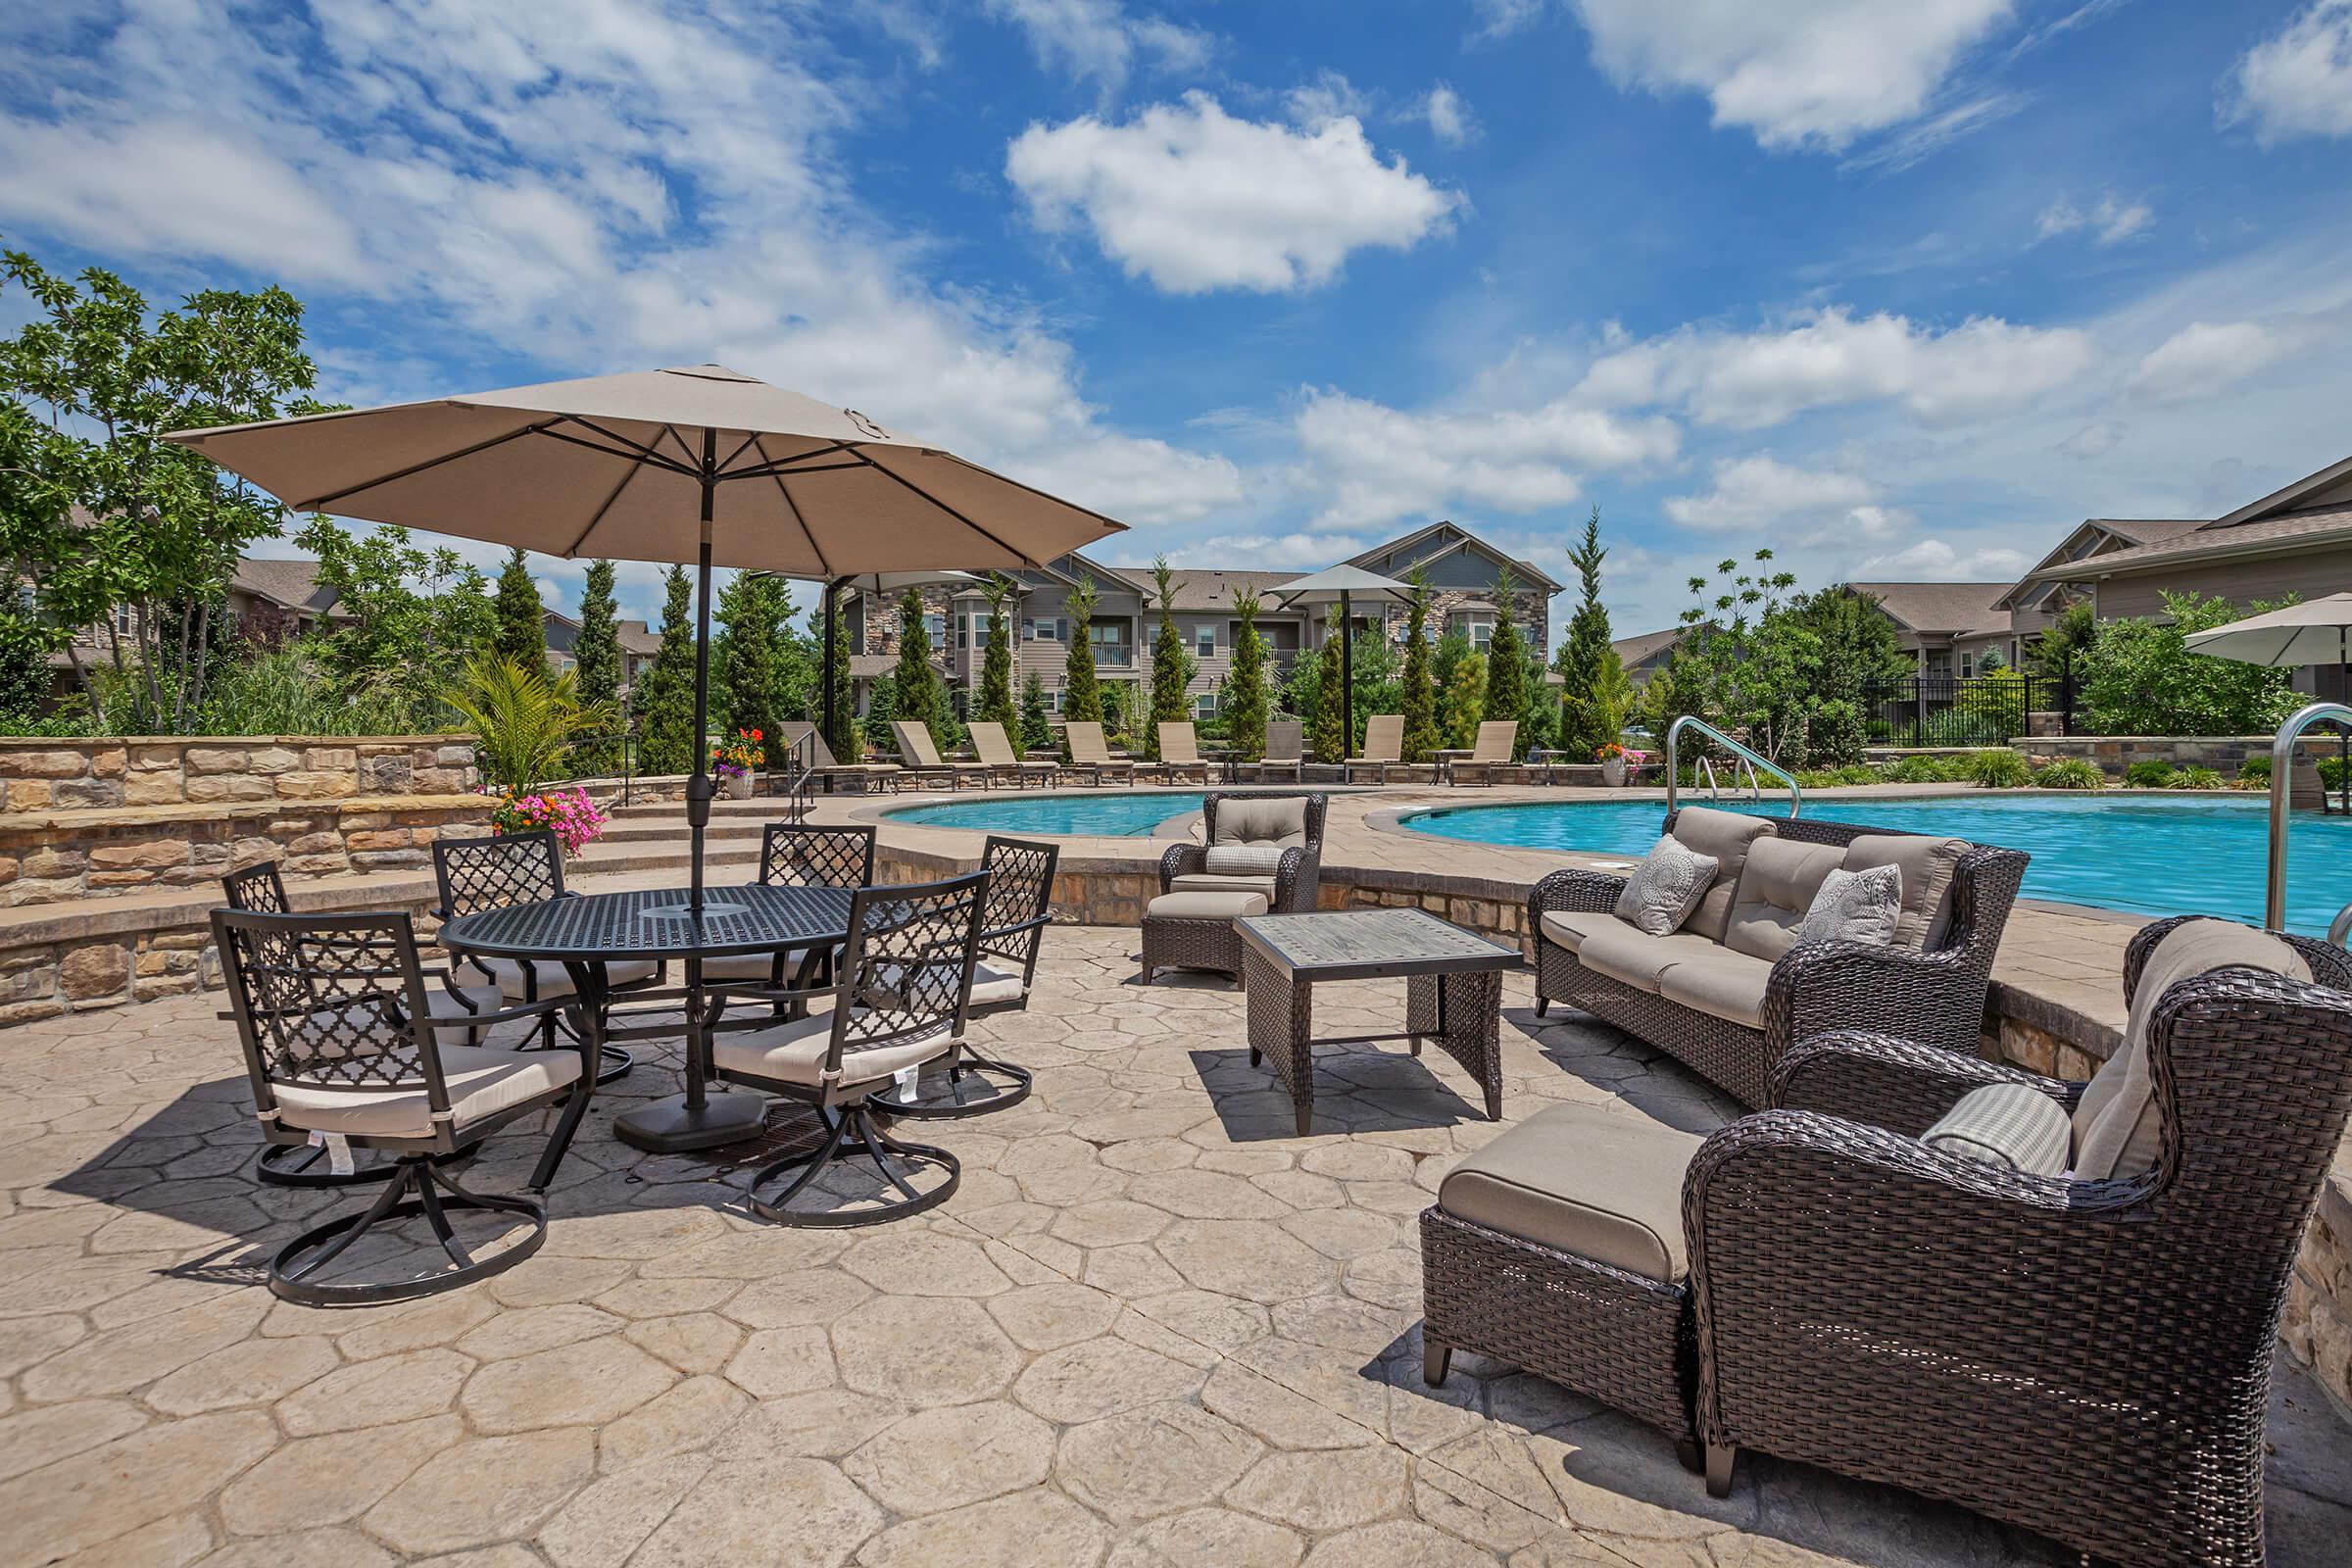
[1152,1328]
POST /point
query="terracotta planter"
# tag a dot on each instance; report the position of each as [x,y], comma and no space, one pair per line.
[1612,772]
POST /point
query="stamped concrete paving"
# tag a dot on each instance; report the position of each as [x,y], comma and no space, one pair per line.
[1152,1328]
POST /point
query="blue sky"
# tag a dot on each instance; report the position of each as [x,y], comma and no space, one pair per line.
[1902,291]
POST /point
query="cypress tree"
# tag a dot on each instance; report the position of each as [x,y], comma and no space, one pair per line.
[1245,705]
[1037,729]
[1330,746]
[1081,696]
[745,658]
[1507,667]
[920,696]
[995,667]
[1171,666]
[520,631]
[843,741]
[666,741]
[1465,699]
[1419,700]
[596,657]
[1589,720]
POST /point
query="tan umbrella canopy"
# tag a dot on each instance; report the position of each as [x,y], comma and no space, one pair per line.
[2318,632]
[1343,585]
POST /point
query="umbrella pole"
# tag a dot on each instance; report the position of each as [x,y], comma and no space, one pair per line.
[826,715]
[699,789]
[1347,682]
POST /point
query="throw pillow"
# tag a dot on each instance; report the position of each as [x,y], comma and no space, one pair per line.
[1665,888]
[2006,1124]
[1856,907]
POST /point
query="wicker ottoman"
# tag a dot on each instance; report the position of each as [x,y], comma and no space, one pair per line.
[1195,931]
[1558,1248]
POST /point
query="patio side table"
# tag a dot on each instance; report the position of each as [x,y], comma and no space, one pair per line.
[1453,980]
[1444,759]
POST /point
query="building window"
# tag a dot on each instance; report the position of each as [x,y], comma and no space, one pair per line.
[1204,641]
[935,627]
[1107,641]
[1053,701]
[1204,706]
[1050,629]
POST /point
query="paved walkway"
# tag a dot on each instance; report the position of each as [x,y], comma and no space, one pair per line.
[1152,1328]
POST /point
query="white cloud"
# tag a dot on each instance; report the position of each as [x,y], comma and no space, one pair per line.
[2204,358]
[1268,552]
[1137,480]
[1194,200]
[1935,561]
[1799,73]
[1376,463]
[1499,18]
[1758,489]
[1983,368]
[1098,40]
[1449,118]
[2298,82]
[2093,441]
[2110,222]
[1330,96]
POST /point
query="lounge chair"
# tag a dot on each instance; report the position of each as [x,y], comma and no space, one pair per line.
[1180,751]
[1495,738]
[824,768]
[1383,746]
[1089,758]
[1285,750]
[923,761]
[996,754]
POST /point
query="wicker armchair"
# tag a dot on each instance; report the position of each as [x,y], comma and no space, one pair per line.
[2086,1359]
[1935,997]
[1296,881]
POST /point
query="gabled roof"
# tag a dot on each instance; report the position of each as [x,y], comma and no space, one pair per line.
[1636,650]
[637,638]
[1443,538]
[1959,609]
[287,584]
[2287,532]
[2093,539]
[2329,487]
[1196,589]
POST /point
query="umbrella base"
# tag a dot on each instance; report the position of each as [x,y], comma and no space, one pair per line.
[670,1127]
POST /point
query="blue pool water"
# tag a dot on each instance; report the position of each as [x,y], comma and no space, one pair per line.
[2146,854]
[1104,813]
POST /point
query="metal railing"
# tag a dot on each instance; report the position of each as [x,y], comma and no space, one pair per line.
[798,775]
[1751,762]
[2283,764]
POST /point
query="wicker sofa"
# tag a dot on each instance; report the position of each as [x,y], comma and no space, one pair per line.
[1730,993]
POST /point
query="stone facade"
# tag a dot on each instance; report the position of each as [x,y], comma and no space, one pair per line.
[2112,755]
[138,771]
[2318,1326]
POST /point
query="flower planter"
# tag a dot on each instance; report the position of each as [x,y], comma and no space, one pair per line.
[1612,772]
[739,786]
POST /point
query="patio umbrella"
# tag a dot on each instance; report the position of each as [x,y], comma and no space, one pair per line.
[699,464]
[1343,585]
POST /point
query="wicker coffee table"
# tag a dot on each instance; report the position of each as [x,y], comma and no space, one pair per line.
[1452,990]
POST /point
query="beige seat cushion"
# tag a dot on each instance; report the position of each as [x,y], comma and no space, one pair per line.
[1722,984]
[2117,1128]
[1776,888]
[992,986]
[1245,819]
[1224,882]
[1206,905]
[555,980]
[1726,836]
[1570,927]
[1583,1180]
[1638,959]
[482,1080]
[794,1054]
[1927,866]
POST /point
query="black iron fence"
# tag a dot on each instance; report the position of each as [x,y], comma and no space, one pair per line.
[1966,711]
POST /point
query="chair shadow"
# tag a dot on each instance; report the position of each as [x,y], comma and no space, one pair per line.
[1596,1053]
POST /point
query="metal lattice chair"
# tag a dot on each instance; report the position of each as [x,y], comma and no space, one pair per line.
[510,868]
[899,1002]
[794,855]
[346,1045]
[1020,904]
[261,890]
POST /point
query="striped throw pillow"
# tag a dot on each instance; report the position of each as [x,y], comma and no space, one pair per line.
[1245,859]
[2006,1124]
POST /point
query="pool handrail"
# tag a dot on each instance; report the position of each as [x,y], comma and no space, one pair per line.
[1752,759]
[2283,762]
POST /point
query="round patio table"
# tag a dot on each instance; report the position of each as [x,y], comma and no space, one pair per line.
[582,931]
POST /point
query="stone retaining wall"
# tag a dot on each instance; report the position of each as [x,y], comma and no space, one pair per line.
[2224,753]
[43,774]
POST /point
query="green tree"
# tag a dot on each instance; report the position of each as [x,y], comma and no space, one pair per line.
[596,661]
[1081,696]
[524,719]
[2068,638]
[842,741]
[665,697]
[522,631]
[1378,687]
[1329,743]
[799,664]
[1466,698]
[103,523]
[2140,677]
[921,696]
[1587,720]
[1506,665]
[1417,700]
[1444,664]
[1037,727]
[1840,641]
[882,710]
[1172,668]
[743,657]
[1542,727]
[1244,708]
[996,667]
[405,616]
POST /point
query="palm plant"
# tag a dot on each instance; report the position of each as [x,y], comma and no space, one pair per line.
[524,720]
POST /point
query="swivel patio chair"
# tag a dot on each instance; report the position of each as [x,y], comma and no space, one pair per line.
[794,855]
[348,1047]
[899,1002]
[1264,855]
[510,868]
[1020,904]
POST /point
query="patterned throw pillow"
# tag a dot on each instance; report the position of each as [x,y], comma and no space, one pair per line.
[1245,859]
[2006,1124]
[1856,907]
[1665,888]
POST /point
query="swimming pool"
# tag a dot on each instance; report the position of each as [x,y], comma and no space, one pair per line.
[2143,853]
[1098,814]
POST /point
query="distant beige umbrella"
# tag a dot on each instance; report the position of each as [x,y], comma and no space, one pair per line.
[2316,632]
[1343,585]
[701,464]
